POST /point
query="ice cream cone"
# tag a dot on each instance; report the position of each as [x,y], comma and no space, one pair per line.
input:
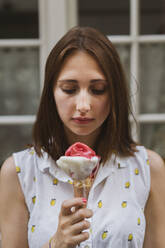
[82,187]
[81,164]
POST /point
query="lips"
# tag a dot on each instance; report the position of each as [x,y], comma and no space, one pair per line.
[82,120]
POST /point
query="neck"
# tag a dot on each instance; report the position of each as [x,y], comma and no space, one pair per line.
[89,140]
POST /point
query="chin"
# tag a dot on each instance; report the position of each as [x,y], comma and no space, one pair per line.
[83,133]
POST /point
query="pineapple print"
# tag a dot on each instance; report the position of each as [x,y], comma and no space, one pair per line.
[18,169]
[31,152]
[104,235]
[139,221]
[53,202]
[33,228]
[100,204]
[55,181]
[124,204]
[136,171]
[34,199]
[130,237]
[127,185]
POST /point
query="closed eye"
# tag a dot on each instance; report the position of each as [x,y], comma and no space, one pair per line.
[69,91]
[98,92]
[94,91]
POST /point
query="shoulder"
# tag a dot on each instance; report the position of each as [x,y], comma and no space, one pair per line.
[25,162]
[8,169]
[10,190]
[157,169]
[154,210]
[156,162]
[9,182]
[13,210]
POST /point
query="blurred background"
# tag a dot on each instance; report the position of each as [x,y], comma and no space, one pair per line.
[29,29]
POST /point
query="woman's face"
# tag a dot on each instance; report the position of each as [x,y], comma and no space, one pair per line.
[81,95]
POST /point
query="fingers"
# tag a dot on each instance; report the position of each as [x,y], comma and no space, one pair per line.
[72,224]
[79,217]
[80,227]
[81,214]
[72,241]
[66,208]
[77,239]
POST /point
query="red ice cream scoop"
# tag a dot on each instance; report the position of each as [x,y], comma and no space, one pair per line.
[80,149]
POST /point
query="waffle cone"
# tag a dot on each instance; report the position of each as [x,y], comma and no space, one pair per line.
[82,187]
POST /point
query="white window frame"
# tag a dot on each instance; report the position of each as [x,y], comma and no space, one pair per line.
[135,39]
[53,23]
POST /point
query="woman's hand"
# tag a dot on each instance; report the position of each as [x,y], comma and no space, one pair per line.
[72,223]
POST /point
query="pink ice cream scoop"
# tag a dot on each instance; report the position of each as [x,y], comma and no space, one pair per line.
[80,150]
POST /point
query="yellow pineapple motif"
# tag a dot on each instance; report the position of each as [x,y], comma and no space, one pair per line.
[34,199]
[90,230]
[130,237]
[124,204]
[70,182]
[53,202]
[119,166]
[136,171]
[18,169]
[33,228]
[34,179]
[148,162]
[55,181]
[104,235]
[31,152]
[100,204]
[87,246]
[139,222]
[127,185]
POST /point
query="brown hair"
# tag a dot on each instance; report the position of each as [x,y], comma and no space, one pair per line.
[48,132]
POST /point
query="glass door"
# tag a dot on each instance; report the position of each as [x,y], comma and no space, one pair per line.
[19,73]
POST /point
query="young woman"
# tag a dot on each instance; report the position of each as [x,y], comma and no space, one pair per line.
[85,99]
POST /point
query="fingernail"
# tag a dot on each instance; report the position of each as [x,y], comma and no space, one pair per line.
[84,200]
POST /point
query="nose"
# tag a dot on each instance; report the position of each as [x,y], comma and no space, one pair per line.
[83,102]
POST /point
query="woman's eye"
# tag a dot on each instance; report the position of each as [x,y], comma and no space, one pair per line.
[98,91]
[69,91]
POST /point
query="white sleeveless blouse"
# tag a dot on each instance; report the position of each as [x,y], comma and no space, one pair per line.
[117,198]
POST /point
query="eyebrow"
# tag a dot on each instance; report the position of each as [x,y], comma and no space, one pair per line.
[76,81]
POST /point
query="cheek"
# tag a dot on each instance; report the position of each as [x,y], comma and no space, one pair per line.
[103,107]
[63,105]
[59,102]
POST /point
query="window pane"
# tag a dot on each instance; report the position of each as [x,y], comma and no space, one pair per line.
[153,137]
[14,138]
[152,78]
[19,81]
[18,19]
[152,16]
[110,17]
[124,53]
